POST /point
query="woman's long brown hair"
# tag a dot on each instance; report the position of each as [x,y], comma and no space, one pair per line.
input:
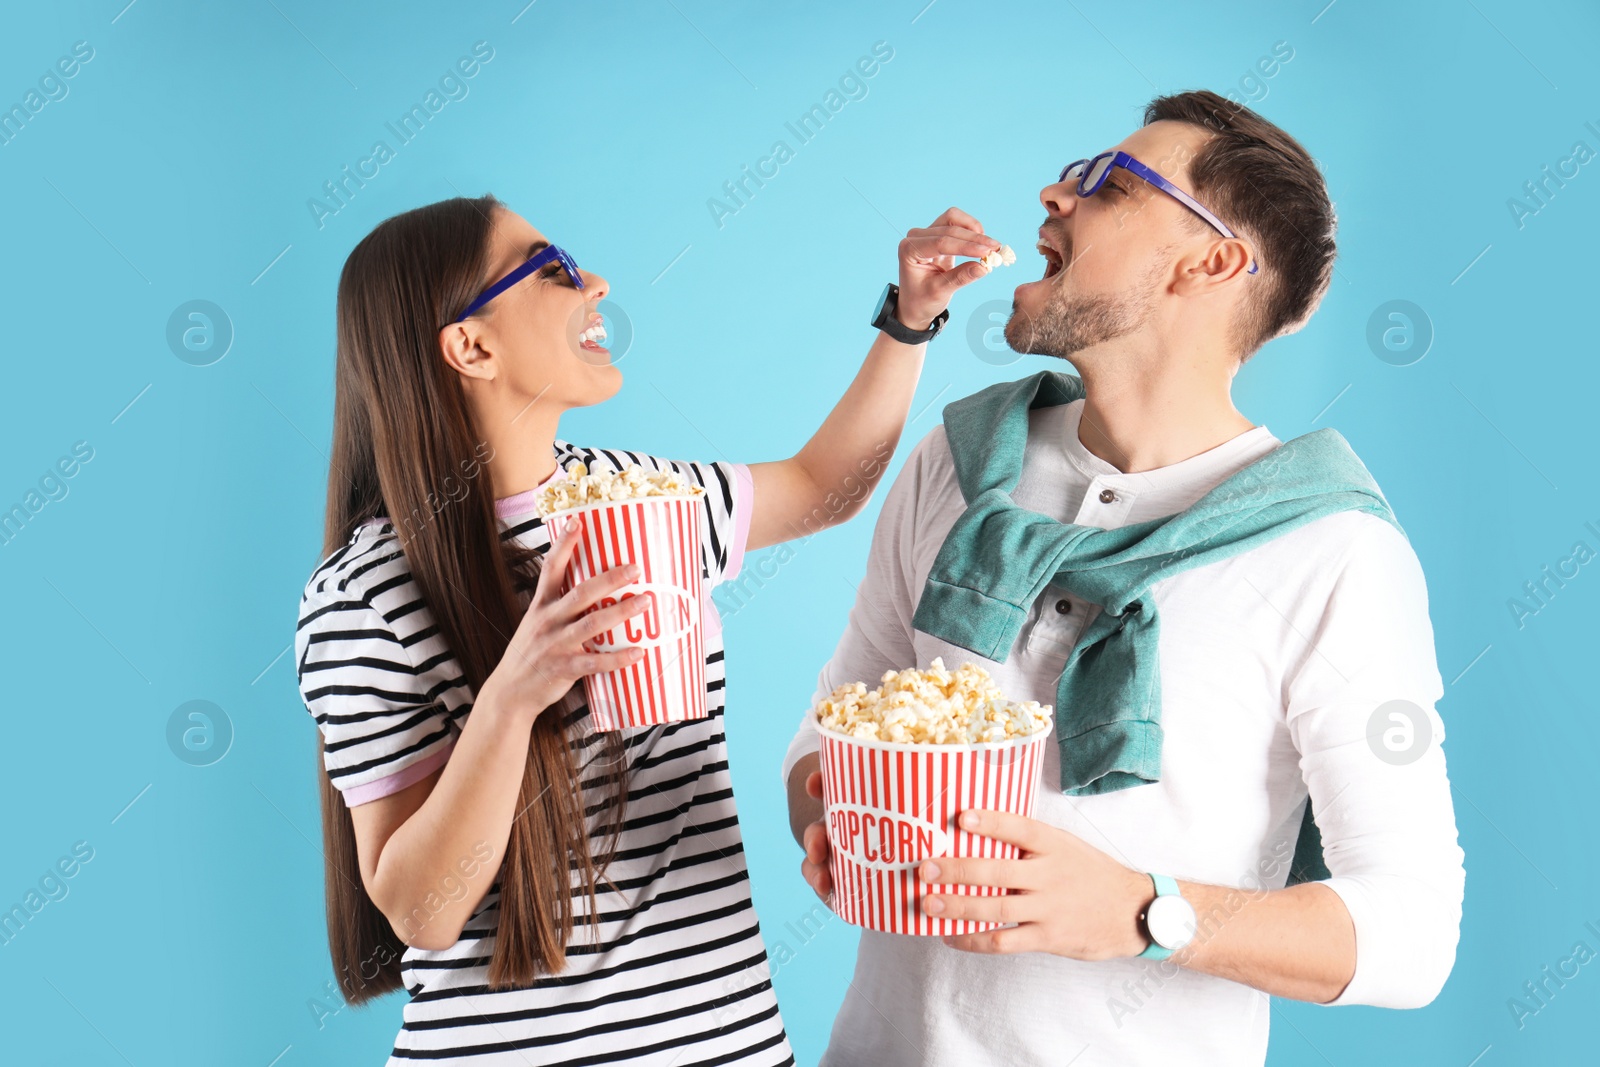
[404,446]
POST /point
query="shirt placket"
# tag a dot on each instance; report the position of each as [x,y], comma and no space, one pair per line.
[1058,616]
[1105,504]
[1058,620]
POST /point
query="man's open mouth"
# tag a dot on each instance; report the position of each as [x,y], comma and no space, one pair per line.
[1053,258]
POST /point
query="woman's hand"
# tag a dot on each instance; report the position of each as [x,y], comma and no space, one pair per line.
[929,275]
[550,652]
[831,478]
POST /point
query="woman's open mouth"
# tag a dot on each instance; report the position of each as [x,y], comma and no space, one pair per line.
[592,338]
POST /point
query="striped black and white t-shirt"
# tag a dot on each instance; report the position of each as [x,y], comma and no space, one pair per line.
[677,973]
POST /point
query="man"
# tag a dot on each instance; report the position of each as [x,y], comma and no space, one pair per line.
[1298,664]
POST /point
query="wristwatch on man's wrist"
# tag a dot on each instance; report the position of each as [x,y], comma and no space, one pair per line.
[1169,921]
[885,319]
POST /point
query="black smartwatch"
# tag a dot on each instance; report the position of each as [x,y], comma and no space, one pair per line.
[884,319]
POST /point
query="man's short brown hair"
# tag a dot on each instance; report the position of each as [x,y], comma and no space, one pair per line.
[1267,188]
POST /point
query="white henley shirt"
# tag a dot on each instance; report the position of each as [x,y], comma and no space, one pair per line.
[1273,663]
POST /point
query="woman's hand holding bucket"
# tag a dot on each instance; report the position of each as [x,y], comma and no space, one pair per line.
[549,652]
[661,534]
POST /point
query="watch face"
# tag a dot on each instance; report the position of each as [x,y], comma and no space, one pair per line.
[1171,922]
[877,314]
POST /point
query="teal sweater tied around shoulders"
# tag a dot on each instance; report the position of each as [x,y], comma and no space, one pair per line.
[998,558]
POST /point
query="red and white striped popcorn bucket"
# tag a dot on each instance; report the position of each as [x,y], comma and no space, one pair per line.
[662,535]
[889,806]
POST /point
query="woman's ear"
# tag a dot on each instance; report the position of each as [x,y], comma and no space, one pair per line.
[461,344]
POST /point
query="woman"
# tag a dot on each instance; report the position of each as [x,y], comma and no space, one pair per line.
[562,896]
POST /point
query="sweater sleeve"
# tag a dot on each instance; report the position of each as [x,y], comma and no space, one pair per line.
[1360,710]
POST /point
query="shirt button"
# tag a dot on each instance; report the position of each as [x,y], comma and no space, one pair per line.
[1063,606]
[1107,496]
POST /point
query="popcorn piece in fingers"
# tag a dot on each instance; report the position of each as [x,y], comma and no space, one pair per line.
[1000,257]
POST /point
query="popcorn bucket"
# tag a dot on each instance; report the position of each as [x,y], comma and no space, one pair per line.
[662,535]
[890,806]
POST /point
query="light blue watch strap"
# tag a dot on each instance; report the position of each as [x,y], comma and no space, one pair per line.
[1165,887]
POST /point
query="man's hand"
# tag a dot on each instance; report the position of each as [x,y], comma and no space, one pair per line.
[929,275]
[814,867]
[1069,898]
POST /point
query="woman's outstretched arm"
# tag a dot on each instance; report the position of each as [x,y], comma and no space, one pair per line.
[831,478]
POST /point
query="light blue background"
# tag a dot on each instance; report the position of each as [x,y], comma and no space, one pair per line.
[179,167]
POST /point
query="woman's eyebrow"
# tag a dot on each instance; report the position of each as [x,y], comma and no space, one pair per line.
[528,253]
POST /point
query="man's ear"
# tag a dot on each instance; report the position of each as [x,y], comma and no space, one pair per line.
[461,345]
[1224,261]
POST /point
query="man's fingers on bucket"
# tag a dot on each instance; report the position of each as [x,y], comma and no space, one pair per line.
[817,878]
[975,870]
[816,843]
[996,942]
[814,784]
[1011,908]
[1027,834]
